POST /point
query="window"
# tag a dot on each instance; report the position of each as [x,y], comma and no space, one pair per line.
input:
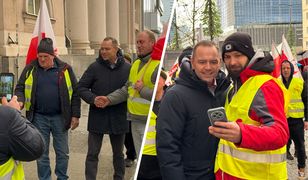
[33,7]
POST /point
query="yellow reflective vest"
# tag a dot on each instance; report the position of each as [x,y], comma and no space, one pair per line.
[150,144]
[247,163]
[29,85]
[296,105]
[135,103]
[12,170]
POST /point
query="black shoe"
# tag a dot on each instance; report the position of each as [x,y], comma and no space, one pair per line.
[289,156]
[129,162]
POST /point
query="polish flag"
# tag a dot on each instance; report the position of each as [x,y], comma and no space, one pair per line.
[42,29]
[278,57]
[277,61]
[285,49]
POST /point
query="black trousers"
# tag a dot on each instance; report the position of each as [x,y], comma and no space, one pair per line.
[149,168]
[94,146]
[297,134]
[129,144]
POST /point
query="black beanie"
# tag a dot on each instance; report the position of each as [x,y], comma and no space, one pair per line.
[46,46]
[187,52]
[238,41]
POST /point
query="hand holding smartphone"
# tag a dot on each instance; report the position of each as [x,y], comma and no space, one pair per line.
[6,85]
[217,114]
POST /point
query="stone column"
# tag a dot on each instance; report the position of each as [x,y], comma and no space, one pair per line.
[77,17]
[127,26]
[97,22]
[112,18]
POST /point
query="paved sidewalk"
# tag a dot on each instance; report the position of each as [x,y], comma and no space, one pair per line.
[292,165]
[78,149]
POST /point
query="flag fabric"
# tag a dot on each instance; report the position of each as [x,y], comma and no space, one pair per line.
[158,49]
[286,50]
[277,61]
[304,59]
[42,29]
[174,68]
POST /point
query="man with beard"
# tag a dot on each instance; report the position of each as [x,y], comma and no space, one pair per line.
[254,139]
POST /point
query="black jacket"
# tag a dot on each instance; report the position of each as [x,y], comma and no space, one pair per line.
[100,79]
[69,108]
[185,149]
[18,137]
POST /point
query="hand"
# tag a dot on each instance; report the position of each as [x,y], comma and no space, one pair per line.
[306,125]
[229,131]
[21,104]
[138,85]
[13,102]
[101,101]
[74,123]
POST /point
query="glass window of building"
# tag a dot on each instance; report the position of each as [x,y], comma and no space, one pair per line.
[33,7]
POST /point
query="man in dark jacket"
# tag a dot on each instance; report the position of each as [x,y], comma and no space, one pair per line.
[19,139]
[108,73]
[46,88]
[185,149]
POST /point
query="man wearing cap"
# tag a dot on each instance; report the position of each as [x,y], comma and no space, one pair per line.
[46,88]
[253,143]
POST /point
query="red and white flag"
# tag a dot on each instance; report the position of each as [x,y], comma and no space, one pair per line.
[286,50]
[42,29]
[278,57]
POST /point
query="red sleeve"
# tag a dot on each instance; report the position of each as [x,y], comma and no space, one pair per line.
[268,109]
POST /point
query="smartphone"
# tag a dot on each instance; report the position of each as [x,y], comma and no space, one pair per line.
[217,114]
[6,85]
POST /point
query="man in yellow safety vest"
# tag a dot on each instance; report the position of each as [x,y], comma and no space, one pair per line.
[295,114]
[253,143]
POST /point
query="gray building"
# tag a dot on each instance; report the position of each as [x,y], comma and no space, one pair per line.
[265,20]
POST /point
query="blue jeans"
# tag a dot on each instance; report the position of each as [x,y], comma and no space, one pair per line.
[52,124]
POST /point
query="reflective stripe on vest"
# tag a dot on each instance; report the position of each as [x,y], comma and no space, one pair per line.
[247,163]
[252,157]
[29,86]
[135,103]
[296,105]
[68,84]
[12,170]
[28,89]
[150,142]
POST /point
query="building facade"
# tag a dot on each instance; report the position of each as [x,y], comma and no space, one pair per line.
[265,20]
[305,25]
[79,27]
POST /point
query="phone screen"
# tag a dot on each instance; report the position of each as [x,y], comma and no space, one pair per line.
[6,85]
